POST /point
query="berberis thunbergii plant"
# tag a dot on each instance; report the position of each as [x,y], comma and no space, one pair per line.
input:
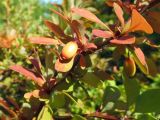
[74,82]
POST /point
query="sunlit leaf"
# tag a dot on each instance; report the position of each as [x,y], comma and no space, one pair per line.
[28,73]
[119,12]
[57,100]
[43,41]
[65,18]
[139,58]
[45,113]
[88,15]
[63,65]
[101,33]
[139,23]
[55,28]
[90,46]
[123,40]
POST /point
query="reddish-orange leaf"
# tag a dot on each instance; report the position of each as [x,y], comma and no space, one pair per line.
[140,59]
[55,28]
[65,18]
[88,15]
[101,33]
[111,2]
[28,95]
[43,41]
[13,102]
[75,25]
[28,73]
[139,23]
[119,12]
[4,104]
[36,64]
[63,65]
[140,55]
[90,46]
[124,40]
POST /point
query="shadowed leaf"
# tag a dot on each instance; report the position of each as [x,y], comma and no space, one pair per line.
[148,101]
[153,18]
[36,64]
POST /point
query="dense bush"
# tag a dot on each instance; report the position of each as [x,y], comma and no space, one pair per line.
[80,60]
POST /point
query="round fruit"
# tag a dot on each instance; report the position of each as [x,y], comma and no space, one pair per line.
[69,50]
[129,67]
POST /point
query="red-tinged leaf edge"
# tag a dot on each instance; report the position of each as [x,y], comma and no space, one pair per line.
[90,46]
[29,74]
[88,15]
[102,34]
[123,40]
[13,102]
[139,53]
[6,107]
[36,64]
[75,27]
[44,41]
[65,18]
[58,32]
[54,28]
[139,58]
[119,12]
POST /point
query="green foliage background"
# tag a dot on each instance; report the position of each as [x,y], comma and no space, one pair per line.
[141,99]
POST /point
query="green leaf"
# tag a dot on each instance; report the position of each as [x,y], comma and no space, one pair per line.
[57,100]
[108,106]
[78,117]
[45,114]
[132,89]
[148,101]
[146,117]
[111,94]
[121,105]
[91,79]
